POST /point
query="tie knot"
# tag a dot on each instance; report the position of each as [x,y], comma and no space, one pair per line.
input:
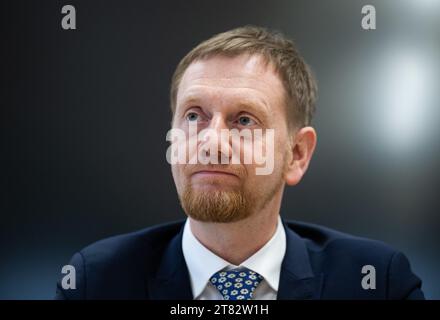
[236,284]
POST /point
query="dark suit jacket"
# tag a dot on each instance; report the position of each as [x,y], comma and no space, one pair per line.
[319,263]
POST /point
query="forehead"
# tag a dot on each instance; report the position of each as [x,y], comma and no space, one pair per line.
[243,76]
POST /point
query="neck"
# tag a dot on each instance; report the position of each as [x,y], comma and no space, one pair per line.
[237,241]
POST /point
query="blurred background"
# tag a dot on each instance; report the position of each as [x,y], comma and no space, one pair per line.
[84,114]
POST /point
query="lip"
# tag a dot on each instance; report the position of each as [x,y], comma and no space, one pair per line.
[213,173]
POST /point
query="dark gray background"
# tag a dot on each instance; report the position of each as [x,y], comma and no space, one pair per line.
[84,116]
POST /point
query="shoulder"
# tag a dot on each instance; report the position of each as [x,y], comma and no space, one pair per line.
[118,266]
[322,239]
[146,241]
[344,259]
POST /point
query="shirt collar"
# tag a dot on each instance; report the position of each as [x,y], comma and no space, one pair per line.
[203,263]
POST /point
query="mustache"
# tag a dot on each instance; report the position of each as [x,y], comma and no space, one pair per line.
[236,169]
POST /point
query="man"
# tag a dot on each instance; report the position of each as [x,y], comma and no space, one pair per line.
[234,244]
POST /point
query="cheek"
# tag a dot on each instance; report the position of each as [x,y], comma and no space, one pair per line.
[177,173]
[281,150]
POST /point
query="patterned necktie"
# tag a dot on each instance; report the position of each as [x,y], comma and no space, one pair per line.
[236,284]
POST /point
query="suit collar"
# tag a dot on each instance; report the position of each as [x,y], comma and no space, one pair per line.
[172,278]
[297,280]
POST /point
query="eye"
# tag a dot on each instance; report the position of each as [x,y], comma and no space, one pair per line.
[192,116]
[246,121]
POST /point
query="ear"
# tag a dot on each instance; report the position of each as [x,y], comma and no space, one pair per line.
[301,149]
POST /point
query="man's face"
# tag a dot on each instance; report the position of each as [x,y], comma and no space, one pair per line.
[230,93]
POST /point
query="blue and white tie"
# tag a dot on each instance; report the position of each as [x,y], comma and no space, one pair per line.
[236,284]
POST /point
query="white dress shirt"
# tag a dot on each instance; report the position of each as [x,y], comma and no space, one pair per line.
[203,263]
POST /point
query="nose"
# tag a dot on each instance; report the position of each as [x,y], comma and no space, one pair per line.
[218,122]
[215,142]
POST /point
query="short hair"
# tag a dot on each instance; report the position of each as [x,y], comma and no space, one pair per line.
[299,83]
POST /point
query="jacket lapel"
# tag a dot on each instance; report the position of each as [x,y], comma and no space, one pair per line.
[297,281]
[172,278]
